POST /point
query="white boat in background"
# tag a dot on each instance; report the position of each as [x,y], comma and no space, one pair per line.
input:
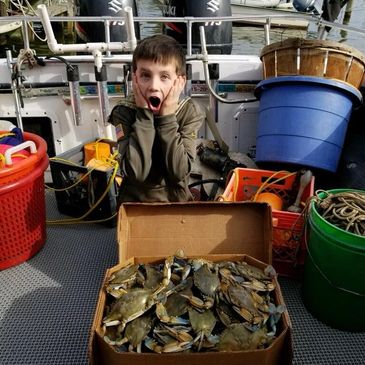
[274,8]
[262,3]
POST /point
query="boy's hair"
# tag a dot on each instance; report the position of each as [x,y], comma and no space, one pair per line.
[160,48]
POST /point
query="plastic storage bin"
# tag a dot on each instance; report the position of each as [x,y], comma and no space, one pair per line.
[289,250]
[303,120]
[66,170]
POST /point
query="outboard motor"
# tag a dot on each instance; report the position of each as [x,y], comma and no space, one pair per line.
[218,35]
[94,31]
[330,11]
[330,8]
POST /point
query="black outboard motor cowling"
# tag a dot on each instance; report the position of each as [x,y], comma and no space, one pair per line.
[94,31]
[218,35]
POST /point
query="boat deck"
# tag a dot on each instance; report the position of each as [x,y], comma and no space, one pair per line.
[47,303]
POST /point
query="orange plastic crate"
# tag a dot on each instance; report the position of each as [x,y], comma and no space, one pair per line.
[289,249]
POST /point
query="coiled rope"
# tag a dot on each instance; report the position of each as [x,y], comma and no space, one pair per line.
[346,210]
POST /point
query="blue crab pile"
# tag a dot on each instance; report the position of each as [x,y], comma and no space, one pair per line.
[191,305]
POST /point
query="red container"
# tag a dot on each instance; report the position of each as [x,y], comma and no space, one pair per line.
[19,156]
[23,168]
[289,248]
[22,201]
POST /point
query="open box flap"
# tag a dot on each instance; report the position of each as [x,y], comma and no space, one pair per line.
[159,229]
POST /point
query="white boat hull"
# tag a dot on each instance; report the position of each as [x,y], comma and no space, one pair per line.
[51,104]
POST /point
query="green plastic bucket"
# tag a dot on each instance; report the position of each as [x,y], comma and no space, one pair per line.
[334,273]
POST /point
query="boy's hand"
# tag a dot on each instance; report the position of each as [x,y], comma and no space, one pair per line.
[139,99]
[170,104]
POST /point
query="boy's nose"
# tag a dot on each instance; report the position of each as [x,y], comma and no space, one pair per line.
[154,84]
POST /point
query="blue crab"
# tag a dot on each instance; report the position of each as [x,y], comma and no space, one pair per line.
[173,346]
[206,281]
[135,332]
[203,325]
[135,302]
[245,302]
[120,281]
[237,337]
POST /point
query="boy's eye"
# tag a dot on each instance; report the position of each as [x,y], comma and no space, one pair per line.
[165,77]
[144,75]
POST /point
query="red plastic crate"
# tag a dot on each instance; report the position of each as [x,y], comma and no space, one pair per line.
[289,248]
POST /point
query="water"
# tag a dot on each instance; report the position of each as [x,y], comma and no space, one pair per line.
[250,40]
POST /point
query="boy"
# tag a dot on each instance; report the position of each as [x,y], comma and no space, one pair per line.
[155,127]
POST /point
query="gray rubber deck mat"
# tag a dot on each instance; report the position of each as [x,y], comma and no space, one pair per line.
[47,304]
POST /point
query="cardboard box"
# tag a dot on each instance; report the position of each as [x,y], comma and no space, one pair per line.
[216,231]
[197,228]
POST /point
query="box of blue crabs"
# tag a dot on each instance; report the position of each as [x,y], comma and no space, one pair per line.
[194,286]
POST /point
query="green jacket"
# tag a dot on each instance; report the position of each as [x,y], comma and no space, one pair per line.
[157,152]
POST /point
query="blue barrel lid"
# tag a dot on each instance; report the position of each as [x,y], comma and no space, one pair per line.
[354,93]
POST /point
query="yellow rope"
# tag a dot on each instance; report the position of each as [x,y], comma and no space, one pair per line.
[3,135]
[110,160]
[79,219]
[3,161]
[75,183]
[266,184]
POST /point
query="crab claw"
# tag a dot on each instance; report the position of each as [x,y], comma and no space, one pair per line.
[164,317]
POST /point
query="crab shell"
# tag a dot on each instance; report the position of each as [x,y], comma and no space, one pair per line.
[137,330]
[206,281]
[238,338]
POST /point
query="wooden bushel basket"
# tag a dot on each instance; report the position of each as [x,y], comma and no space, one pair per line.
[311,57]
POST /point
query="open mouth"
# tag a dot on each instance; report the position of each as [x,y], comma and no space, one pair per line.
[154,101]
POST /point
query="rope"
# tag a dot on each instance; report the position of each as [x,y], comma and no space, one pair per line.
[82,178]
[3,135]
[110,160]
[27,10]
[3,161]
[326,201]
[266,183]
[346,210]
[263,186]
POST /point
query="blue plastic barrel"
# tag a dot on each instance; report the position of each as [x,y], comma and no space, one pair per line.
[303,120]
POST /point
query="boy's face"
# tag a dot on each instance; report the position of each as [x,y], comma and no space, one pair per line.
[155,81]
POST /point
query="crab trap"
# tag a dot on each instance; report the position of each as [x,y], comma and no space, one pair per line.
[84,192]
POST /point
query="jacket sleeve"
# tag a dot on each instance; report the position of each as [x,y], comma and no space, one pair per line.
[135,134]
[177,135]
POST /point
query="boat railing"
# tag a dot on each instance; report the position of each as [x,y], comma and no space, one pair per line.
[101,53]
[263,15]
